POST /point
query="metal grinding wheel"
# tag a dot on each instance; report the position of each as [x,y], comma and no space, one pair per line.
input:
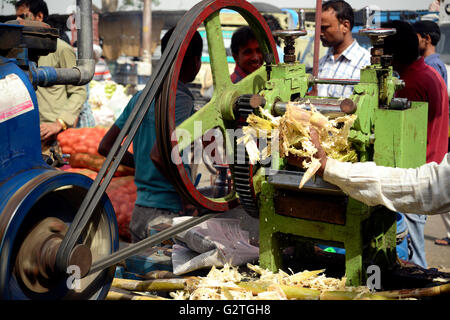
[32,226]
[218,113]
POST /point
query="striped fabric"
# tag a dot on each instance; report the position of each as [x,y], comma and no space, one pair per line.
[101,71]
[86,118]
[346,66]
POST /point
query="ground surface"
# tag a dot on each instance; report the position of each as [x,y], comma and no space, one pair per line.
[437,256]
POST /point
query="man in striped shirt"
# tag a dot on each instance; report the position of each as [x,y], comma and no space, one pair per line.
[345,57]
[101,72]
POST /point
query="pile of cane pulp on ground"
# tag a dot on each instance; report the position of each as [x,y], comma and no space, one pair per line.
[292,133]
[228,283]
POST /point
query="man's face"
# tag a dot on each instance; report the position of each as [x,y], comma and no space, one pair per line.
[249,57]
[331,31]
[24,13]
[422,44]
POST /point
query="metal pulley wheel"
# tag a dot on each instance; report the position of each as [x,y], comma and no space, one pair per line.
[33,223]
[217,114]
[220,112]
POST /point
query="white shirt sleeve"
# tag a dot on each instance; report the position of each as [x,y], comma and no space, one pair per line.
[424,190]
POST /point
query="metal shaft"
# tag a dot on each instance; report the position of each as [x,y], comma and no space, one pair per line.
[321,105]
[336,81]
[146,243]
[301,19]
[367,22]
[83,72]
[317,38]
[84,30]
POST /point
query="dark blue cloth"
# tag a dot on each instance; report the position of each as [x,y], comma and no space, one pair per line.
[153,189]
[434,61]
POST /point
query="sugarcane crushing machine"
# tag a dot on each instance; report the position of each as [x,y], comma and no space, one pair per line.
[388,130]
[51,220]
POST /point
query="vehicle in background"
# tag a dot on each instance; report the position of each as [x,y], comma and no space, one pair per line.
[202,86]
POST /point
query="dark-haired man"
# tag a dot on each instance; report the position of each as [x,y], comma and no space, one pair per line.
[429,34]
[59,105]
[246,53]
[157,200]
[345,57]
[422,83]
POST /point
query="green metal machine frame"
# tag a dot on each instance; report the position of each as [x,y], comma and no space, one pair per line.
[388,131]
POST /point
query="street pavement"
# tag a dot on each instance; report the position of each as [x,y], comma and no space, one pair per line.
[437,256]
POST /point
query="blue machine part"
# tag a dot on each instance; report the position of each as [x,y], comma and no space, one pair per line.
[53,193]
[20,144]
[293,17]
[32,191]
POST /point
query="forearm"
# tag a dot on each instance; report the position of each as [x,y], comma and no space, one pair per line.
[128,159]
[76,97]
[108,141]
[424,190]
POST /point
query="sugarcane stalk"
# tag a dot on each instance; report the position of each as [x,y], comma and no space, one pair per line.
[351,295]
[370,296]
[255,287]
[291,292]
[227,293]
[298,277]
[149,285]
[159,274]
[338,295]
[417,293]
[115,295]
[300,293]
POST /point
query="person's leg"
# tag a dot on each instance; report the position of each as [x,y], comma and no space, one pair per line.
[143,218]
[416,226]
[445,241]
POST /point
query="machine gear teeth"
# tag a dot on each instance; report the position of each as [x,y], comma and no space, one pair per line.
[243,170]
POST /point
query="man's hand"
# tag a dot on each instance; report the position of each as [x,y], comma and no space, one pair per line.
[320,154]
[50,129]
